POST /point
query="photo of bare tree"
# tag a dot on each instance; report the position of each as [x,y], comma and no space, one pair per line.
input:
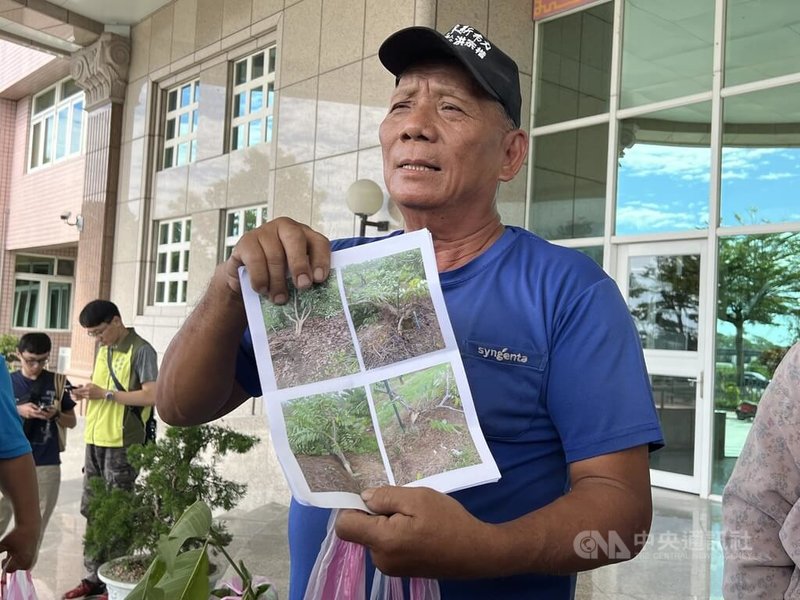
[309,339]
[391,308]
[422,411]
[333,439]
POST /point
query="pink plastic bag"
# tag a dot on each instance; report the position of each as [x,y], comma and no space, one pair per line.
[18,586]
[340,569]
[385,587]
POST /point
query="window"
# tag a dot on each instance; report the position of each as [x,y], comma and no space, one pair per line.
[180,126]
[56,124]
[574,74]
[664,171]
[43,292]
[240,221]
[666,50]
[253,99]
[172,261]
[569,183]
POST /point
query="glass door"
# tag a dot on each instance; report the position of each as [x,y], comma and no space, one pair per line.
[661,282]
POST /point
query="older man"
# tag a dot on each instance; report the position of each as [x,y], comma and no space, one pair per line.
[569,428]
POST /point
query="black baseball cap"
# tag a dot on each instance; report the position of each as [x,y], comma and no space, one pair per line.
[493,69]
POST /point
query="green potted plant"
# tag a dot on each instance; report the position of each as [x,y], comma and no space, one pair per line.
[176,471]
[179,570]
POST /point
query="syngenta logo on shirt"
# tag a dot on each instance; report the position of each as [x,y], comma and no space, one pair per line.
[502,354]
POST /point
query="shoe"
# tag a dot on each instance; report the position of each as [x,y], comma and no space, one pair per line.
[87,588]
[102,596]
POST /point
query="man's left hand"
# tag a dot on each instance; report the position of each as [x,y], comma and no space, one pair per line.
[418,532]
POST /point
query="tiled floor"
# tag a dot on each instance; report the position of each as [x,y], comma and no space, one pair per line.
[681,561]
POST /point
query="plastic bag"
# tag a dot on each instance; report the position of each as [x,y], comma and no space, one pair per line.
[385,587]
[18,586]
[340,569]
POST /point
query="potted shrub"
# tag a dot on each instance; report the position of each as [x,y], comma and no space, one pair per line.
[177,470]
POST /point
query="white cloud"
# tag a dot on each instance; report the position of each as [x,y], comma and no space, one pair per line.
[694,163]
[774,176]
[638,216]
[645,160]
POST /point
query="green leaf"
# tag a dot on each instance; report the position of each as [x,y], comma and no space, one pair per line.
[144,588]
[189,578]
[195,522]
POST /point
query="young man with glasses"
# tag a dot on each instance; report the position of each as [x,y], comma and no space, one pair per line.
[43,403]
[119,399]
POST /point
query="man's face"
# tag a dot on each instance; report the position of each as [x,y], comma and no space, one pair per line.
[106,333]
[443,141]
[33,364]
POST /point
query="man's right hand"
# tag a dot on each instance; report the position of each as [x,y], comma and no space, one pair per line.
[269,249]
[30,410]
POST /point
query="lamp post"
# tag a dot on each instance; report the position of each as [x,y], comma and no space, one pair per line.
[365,198]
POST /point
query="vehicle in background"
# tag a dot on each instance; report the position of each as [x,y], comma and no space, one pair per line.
[754,385]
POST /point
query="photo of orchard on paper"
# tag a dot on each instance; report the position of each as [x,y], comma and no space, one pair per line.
[309,339]
[333,439]
[423,410]
[391,308]
[362,378]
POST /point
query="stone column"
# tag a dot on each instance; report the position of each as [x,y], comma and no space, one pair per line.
[101,70]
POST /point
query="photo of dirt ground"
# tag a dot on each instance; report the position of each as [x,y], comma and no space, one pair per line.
[391,308]
[309,339]
[422,424]
[327,473]
[333,439]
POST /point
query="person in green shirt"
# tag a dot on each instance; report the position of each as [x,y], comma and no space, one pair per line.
[120,398]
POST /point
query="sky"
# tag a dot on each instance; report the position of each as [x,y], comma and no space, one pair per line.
[666,188]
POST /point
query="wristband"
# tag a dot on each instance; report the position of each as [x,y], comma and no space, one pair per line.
[109,395]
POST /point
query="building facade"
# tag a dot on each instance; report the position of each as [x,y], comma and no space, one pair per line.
[664,145]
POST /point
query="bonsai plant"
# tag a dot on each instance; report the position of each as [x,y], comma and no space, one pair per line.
[177,470]
[178,571]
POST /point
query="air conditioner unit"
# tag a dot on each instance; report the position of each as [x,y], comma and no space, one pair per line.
[64,359]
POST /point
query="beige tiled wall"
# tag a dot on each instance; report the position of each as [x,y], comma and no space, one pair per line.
[331,96]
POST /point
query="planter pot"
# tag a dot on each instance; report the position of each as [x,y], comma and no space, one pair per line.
[117,590]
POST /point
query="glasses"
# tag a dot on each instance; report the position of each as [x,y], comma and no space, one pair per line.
[32,362]
[99,331]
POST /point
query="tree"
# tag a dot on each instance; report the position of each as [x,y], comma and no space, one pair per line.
[322,300]
[668,294]
[759,280]
[389,285]
[335,423]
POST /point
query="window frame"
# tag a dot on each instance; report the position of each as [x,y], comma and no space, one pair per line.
[48,134]
[229,241]
[172,144]
[167,277]
[264,115]
[44,281]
